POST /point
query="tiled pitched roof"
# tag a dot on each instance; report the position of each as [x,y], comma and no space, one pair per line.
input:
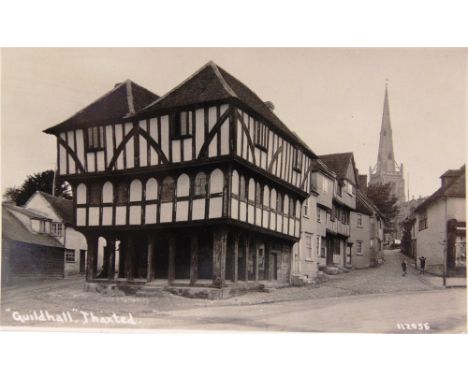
[319,165]
[13,229]
[365,205]
[30,213]
[63,207]
[212,83]
[455,188]
[125,99]
[338,163]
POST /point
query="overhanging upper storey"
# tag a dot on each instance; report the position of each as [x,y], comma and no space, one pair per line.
[211,116]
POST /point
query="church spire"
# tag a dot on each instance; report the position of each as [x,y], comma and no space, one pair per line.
[386,156]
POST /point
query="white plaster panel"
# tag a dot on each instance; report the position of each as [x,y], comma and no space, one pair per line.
[216,206]
[94,216]
[166,212]
[198,209]
[182,210]
[107,216]
[150,213]
[121,215]
[135,215]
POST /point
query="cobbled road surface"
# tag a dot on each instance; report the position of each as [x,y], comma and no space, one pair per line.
[375,300]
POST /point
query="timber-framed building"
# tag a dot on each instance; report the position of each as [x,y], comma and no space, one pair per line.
[202,186]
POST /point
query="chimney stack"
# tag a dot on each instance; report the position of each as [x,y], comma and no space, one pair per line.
[362,183]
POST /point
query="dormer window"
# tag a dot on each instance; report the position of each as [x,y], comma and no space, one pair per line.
[95,138]
[261,136]
[40,225]
[57,229]
[182,124]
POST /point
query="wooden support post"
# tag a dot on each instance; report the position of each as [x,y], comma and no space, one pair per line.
[219,257]
[267,260]
[111,259]
[235,258]
[255,258]
[246,258]
[129,260]
[193,258]
[91,265]
[150,257]
[172,254]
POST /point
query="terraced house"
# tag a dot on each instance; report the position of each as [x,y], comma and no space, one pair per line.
[202,186]
[337,220]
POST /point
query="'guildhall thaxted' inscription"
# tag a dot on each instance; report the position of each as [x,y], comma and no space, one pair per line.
[71,317]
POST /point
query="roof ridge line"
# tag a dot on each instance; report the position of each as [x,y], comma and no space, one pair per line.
[222,79]
[176,87]
[131,105]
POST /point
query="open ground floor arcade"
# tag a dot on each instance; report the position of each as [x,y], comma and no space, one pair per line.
[214,256]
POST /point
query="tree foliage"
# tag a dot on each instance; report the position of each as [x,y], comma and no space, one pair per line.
[406,226]
[381,196]
[41,181]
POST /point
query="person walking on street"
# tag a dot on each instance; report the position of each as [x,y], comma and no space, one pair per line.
[422,263]
[403,267]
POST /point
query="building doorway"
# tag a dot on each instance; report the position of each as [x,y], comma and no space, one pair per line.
[82,260]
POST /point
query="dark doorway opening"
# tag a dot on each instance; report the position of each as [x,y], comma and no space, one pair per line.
[182,257]
[82,260]
[205,255]
[161,258]
[140,257]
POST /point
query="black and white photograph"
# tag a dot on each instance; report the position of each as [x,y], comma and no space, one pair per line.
[234,189]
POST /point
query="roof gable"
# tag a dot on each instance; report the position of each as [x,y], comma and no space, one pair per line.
[61,206]
[455,188]
[342,164]
[212,83]
[13,229]
[125,99]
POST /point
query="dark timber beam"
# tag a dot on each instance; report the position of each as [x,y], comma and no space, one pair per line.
[219,257]
[172,254]
[129,257]
[150,257]
[91,265]
[255,258]
[267,260]
[193,259]
[235,258]
[111,259]
[246,258]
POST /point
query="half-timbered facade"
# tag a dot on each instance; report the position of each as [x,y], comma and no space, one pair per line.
[204,183]
[338,229]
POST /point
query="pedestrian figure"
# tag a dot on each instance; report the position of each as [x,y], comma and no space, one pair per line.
[422,262]
[403,267]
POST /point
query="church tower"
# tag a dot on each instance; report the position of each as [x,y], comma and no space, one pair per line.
[387,170]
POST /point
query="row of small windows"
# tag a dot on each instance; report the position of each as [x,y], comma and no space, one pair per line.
[262,195]
[170,188]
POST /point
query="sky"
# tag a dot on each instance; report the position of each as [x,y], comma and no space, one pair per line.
[332,98]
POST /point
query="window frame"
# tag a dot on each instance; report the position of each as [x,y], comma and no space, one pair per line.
[70,252]
[306,208]
[309,246]
[261,136]
[298,158]
[60,232]
[199,190]
[93,145]
[359,247]
[422,220]
[168,198]
[176,124]
[359,220]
